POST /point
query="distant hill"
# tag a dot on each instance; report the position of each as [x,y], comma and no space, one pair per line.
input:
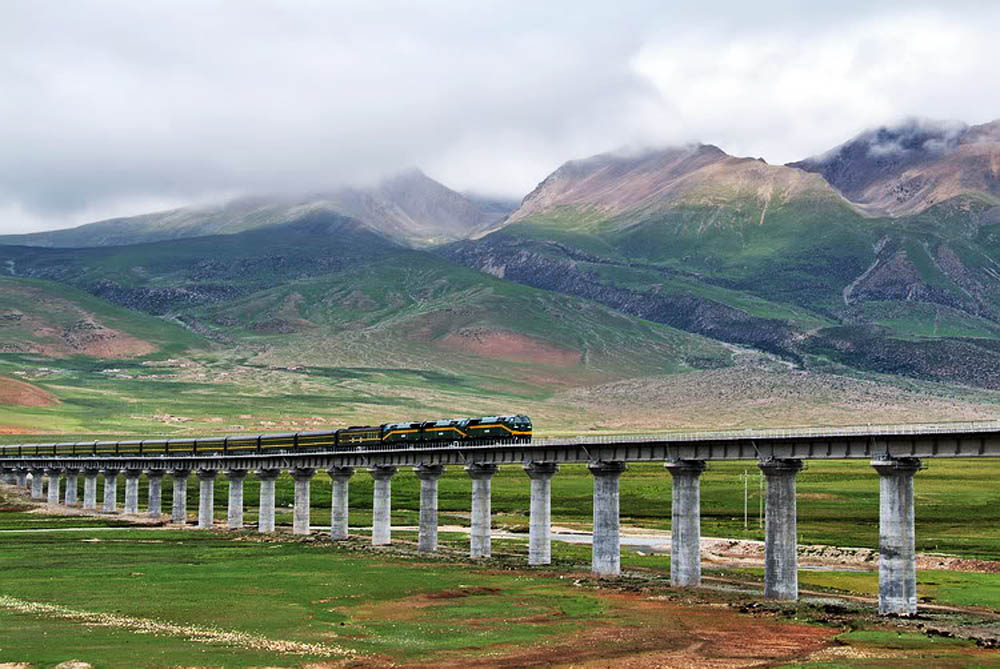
[905,169]
[410,208]
[329,291]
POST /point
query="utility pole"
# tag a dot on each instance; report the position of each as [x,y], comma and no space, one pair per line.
[746,497]
[760,499]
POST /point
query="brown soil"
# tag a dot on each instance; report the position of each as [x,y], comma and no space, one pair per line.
[643,631]
[91,338]
[60,327]
[509,346]
[22,394]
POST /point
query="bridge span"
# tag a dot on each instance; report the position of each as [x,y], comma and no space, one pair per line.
[896,453]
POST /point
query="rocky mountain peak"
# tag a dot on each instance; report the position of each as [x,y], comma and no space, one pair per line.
[905,168]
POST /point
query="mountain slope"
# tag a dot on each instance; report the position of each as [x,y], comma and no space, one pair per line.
[329,291]
[633,186]
[766,256]
[55,320]
[410,208]
[164,277]
[905,169]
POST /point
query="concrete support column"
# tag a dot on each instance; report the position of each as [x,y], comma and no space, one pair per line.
[22,477]
[340,477]
[382,505]
[110,490]
[69,498]
[427,536]
[155,497]
[37,491]
[265,512]
[781,577]
[300,519]
[132,490]
[540,523]
[606,555]
[53,475]
[178,507]
[480,531]
[206,498]
[90,489]
[685,523]
[897,562]
[234,516]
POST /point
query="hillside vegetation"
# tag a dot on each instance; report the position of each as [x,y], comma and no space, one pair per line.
[659,290]
[770,257]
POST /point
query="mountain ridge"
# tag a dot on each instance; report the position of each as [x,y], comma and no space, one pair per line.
[612,184]
[904,169]
[409,207]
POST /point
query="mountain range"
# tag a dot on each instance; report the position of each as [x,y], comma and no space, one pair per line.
[879,257]
[409,207]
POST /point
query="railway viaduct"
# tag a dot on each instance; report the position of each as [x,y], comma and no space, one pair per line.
[895,454]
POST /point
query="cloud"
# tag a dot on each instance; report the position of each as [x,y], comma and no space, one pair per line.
[111,105]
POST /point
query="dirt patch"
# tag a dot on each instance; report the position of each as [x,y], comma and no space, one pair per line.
[91,338]
[23,394]
[509,346]
[462,592]
[643,631]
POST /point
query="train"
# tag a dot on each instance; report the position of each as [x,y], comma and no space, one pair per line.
[459,431]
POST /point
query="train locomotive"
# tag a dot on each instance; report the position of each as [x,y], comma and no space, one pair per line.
[458,431]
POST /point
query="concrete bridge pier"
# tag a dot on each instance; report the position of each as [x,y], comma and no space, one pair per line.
[53,475]
[685,523]
[178,504]
[781,577]
[427,536]
[37,492]
[606,553]
[154,495]
[897,564]
[90,489]
[480,545]
[132,490]
[234,514]
[540,522]
[382,505]
[340,477]
[110,490]
[300,517]
[265,512]
[69,497]
[206,498]
[22,477]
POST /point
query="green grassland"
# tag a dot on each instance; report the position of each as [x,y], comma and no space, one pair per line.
[278,591]
[167,597]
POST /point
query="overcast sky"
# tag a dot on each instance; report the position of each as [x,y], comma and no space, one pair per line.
[121,107]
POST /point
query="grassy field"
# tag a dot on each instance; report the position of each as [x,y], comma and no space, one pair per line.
[151,597]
